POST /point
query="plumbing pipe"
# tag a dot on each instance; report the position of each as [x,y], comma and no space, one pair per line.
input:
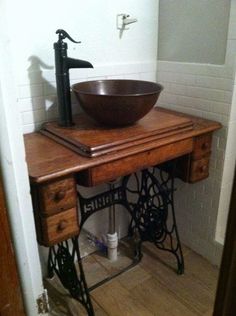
[112,244]
[112,238]
[112,217]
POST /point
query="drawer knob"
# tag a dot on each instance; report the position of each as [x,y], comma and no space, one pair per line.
[203,168]
[61,225]
[59,195]
[205,146]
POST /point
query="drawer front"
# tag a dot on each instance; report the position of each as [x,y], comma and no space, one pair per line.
[59,227]
[57,196]
[199,169]
[202,146]
[130,164]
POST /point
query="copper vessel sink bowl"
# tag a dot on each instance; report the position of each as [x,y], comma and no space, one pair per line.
[117,102]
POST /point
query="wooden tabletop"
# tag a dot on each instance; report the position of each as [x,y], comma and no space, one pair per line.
[48,159]
[90,139]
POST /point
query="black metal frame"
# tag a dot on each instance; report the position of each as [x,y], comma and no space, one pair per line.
[149,198]
[61,260]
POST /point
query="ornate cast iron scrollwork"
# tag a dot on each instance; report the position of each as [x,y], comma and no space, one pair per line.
[61,261]
[89,206]
[151,204]
[149,198]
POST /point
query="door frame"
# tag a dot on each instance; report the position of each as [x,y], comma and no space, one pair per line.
[15,175]
[225,300]
[10,289]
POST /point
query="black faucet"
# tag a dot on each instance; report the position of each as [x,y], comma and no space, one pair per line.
[63,64]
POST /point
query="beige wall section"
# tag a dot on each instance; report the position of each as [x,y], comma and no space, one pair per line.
[205,90]
[193,31]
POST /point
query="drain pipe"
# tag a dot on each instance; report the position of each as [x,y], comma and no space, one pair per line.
[112,238]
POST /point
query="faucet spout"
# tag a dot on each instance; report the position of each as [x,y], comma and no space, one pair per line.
[62,65]
[78,63]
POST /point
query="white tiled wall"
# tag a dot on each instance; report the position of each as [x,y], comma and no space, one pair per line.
[206,94]
[206,91]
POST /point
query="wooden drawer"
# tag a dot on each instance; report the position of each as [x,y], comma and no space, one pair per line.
[199,169]
[202,146]
[59,227]
[130,164]
[57,196]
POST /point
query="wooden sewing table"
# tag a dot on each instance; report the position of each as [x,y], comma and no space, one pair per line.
[57,165]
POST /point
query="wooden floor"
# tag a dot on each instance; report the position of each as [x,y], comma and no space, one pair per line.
[150,288]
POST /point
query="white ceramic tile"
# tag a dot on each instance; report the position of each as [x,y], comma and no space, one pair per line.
[214,83]
[39,103]
[149,76]
[174,77]
[135,76]
[231,143]
[30,128]
[29,91]
[33,116]
[25,104]
[233,107]
[49,88]
[218,71]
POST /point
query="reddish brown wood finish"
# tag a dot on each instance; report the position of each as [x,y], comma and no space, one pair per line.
[114,169]
[53,167]
[202,146]
[199,169]
[55,210]
[57,196]
[48,160]
[90,139]
[200,158]
[10,292]
[59,227]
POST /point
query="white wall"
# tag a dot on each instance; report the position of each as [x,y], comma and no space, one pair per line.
[204,90]
[32,26]
[94,23]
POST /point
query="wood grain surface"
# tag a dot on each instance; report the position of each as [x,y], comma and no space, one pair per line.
[90,139]
[49,160]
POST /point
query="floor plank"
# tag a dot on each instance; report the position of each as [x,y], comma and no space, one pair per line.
[192,289]
[117,301]
[134,277]
[152,288]
[159,300]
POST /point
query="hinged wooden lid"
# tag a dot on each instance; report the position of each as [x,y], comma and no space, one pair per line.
[90,139]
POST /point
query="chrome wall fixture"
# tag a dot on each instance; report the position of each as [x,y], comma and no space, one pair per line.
[122,20]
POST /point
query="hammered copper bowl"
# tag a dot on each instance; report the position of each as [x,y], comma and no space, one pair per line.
[117,102]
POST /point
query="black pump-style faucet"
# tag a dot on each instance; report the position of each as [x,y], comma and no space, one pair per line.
[63,64]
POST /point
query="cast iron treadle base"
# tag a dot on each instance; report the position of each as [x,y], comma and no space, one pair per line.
[61,261]
[151,204]
[149,198]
